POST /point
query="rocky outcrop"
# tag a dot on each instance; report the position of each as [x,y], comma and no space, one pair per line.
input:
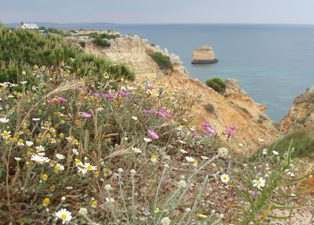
[233,109]
[301,114]
[204,55]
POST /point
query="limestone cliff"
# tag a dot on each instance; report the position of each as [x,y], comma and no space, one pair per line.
[234,109]
[301,114]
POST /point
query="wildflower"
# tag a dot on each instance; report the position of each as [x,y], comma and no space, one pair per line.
[83,211]
[93,203]
[152,134]
[60,156]
[147,140]
[57,100]
[64,215]
[40,148]
[85,115]
[120,170]
[4,120]
[108,187]
[225,178]
[90,167]
[46,202]
[29,143]
[133,172]
[201,216]
[163,113]
[230,132]
[58,168]
[191,160]
[20,143]
[183,151]
[208,129]
[107,172]
[36,119]
[154,158]
[123,93]
[265,151]
[44,177]
[40,159]
[182,184]
[223,152]
[275,153]
[165,221]
[259,183]
[6,134]
[17,159]
[136,150]
[110,200]
[134,118]
[75,151]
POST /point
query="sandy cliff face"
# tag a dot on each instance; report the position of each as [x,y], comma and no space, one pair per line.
[301,114]
[234,109]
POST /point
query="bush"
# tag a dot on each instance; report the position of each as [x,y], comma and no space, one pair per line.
[102,39]
[101,42]
[23,49]
[162,60]
[217,84]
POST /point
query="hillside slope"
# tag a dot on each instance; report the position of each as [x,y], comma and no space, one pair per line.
[234,109]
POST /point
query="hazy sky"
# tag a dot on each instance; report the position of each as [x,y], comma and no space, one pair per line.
[158,11]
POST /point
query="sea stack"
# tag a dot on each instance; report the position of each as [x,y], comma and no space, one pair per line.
[204,55]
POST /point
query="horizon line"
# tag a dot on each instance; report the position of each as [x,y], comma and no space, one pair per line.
[161,23]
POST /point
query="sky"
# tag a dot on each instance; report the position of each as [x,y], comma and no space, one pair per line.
[158,11]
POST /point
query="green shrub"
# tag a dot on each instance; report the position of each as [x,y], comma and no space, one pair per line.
[162,60]
[101,42]
[217,84]
[23,49]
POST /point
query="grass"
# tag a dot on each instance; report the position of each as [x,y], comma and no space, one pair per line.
[302,140]
[217,84]
[162,60]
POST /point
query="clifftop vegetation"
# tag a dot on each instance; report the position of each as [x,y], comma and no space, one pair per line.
[81,145]
[22,50]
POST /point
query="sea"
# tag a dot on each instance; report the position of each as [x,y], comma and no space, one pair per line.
[272,63]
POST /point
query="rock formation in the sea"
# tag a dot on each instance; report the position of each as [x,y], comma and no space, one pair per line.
[301,114]
[204,55]
[233,109]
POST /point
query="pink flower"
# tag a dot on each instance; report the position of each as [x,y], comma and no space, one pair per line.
[152,134]
[162,112]
[57,101]
[123,93]
[208,129]
[85,115]
[230,132]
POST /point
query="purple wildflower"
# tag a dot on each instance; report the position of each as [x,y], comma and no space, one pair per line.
[208,129]
[85,115]
[152,134]
[57,100]
[230,132]
[163,113]
[108,96]
[123,93]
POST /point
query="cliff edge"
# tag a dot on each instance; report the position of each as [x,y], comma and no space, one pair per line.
[233,109]
[301,113]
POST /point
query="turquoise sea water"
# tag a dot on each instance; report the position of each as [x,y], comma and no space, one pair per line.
[273,63]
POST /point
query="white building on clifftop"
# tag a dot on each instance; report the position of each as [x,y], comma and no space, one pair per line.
[29,26]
